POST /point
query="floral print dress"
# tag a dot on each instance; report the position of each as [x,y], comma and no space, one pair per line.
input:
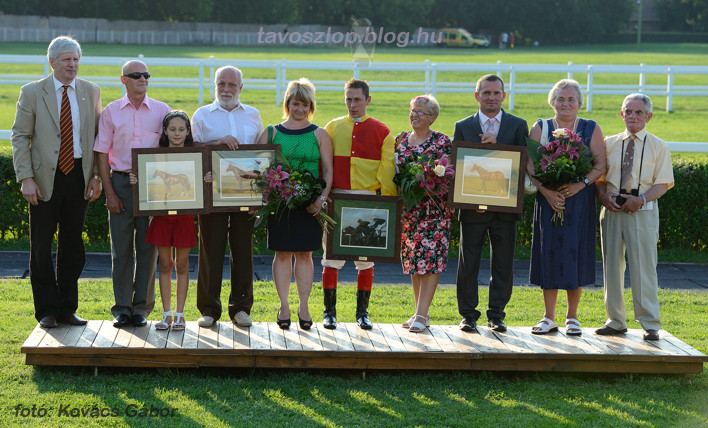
[425,239]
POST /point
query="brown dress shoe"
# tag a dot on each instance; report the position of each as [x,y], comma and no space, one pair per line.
[72,319]
[609,331]
[48,322]
[651,335]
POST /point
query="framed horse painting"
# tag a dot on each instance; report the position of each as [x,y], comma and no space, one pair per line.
[488,177]
[170,181]
[233,171]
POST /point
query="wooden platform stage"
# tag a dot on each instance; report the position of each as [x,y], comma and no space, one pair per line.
[385,347]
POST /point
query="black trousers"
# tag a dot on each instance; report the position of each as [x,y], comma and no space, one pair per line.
[56,292]
[502,239]
[214,229]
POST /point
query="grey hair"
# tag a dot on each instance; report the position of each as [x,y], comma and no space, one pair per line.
[637,96]
[427,101]
[61,45]
[228,67]
[563,84]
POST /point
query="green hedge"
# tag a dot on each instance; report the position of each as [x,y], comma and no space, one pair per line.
[683,220]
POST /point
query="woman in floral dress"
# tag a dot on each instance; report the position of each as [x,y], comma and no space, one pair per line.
[426,226]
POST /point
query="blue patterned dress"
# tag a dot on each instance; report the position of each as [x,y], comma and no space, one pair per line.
[563,256]
[425,238]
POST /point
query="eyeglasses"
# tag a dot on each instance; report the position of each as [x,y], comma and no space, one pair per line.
[137,75]
[419,113]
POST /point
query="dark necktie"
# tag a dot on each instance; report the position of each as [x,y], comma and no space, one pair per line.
[66,149]
[627,163]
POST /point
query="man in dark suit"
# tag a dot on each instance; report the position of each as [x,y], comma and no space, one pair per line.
[52,150]
[491,125]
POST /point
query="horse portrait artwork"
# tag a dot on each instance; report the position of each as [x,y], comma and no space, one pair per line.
[170,180]
[242,176]
[495,178]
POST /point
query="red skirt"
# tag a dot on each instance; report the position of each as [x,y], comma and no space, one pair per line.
[172,231]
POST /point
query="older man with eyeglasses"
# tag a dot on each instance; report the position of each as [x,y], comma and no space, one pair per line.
[133,121]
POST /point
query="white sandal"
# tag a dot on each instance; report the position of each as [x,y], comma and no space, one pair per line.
[546,325]
[164,325]
[416,326]
[410,321]
[179,323]
[572,327]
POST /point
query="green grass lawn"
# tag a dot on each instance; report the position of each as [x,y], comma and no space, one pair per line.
[392,108]
[231,397]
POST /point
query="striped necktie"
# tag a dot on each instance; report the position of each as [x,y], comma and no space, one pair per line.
[627,164]
[66,148]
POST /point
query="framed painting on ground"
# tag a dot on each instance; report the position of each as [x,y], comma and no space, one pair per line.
[368,228]
[231,188]
[488,177]
[170,181]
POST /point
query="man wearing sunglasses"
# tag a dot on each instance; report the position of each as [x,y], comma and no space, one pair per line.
[133,121]
[52,150]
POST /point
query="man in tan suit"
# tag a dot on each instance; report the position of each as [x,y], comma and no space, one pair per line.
[52,149]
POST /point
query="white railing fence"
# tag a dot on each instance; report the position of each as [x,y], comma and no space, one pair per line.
[432,76]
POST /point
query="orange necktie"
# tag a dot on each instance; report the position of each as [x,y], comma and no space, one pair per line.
[66,149]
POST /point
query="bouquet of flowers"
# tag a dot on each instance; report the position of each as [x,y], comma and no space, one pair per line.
[283,187]
[419,176]
[565,160]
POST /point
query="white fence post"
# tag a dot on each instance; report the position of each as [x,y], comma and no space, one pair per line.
[434,80]
[512,88]
[570,69]
[642,78]
[588,105]
[669,90]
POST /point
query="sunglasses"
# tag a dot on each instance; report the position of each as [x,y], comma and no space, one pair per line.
[136,75]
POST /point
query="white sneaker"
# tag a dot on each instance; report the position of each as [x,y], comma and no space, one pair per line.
[242,319]
[205,321]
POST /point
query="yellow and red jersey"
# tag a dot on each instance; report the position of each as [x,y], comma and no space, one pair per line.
[363,155]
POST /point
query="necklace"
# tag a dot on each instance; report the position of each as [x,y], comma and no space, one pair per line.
[575,124]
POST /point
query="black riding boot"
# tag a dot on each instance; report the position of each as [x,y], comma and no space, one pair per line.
[330,311]
[362,309]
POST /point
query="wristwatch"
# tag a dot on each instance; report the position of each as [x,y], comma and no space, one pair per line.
[586,181]
[97,177]
[323,198]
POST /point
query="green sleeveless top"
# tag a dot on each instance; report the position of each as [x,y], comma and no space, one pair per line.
[299,147]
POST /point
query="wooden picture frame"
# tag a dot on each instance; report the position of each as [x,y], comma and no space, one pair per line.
[488,177]
[230,192]
[368,228]
[170,181]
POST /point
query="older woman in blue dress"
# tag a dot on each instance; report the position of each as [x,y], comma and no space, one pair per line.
[563,255]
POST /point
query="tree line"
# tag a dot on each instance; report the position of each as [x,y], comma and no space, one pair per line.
[546,21]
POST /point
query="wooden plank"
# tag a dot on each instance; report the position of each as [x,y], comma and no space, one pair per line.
[35,337]
[389,332]
[191,335]
[359,337]
[73,335]
[241,337]
[310,339]
[342,337]
[292,338]
[89,334]
[156,339]
[105,336]
[654,346]
[665,335]
[510,340]
[175,339]
[226,335]
[260,338]
[492,341]
[638,347]
[327,339]
[618,344]
[466,342]
[426,339]
[139,338]
[410,341]
[277,336]
[548,343]
[524,336]
[446,345]
[378,340]
[209,337]
[54,337]
[598,344]
[125,334]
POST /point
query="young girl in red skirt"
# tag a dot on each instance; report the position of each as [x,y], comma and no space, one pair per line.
[173,231]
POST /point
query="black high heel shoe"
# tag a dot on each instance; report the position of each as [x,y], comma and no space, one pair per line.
[283,324]
[304,324]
